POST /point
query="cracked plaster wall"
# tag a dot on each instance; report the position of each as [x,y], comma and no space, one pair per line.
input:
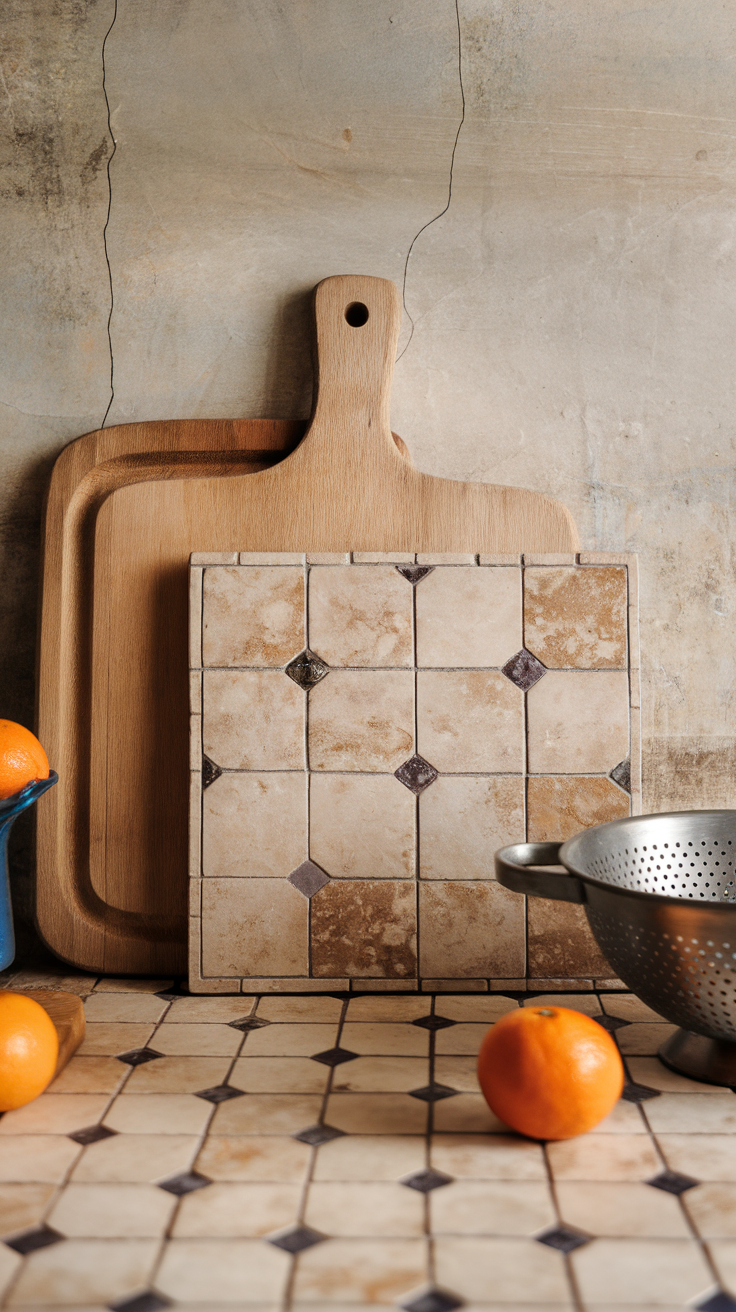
[573,309]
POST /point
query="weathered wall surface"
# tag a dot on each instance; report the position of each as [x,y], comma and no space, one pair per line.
[573,309]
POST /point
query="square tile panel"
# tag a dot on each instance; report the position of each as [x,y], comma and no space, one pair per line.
[389,721]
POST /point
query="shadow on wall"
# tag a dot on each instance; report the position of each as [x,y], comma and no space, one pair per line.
[288,379]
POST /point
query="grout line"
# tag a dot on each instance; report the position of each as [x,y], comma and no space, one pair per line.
[109,208]
[569,1268]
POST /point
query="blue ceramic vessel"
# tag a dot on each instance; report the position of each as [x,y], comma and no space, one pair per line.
[9,809]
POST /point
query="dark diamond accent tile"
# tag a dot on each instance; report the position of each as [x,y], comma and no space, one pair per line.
[308,878]
[416,774]
[318,1134]
[425,1181]
[524,669]
[672,1182]
[296,1240]
[639,1093]
[210,772]
[220,1093]
[334,1056]
[92,1134]
[306,669]
[434,1300]
[169,997]
[138,1056]
[611,1023]
[433,1022]
[621,775]
[148,1302]
[248,1023]
[186,1183]
[433,1092]
[415,573]
[720,1302]
[563,1238]
[41,1236]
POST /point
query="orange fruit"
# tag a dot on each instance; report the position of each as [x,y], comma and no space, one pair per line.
[550,1072]
[29,1047]
[22,758]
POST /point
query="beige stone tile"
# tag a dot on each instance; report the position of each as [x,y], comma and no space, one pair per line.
[560,941]
[723,1253]
[253,615]
[370,1157]
[464,820]
[290,1040]
[470,721]
[136,1158]
[85,1271]
[685,1113]
[381,1075]
[368,1208]
[364,927]
[295,1009]
[576,617]
[653,1073]
[213,558]
[328,557]
[470,928]
[387,1009]
[112,1211]
[206,1011]
[23,1206]
[253,720]
[374,1271]
[9,1264]
[514,1269]
[376,1113]
[178,1075]
[362,826]
[578,720]
[487,1157]
[279,1075]
[195,760]
[131,1007]
[560,986]
[457,1007]
[267,1113]
[491,1207]
[362,720]
[195,690]
[360,616]
[586,1002]
[468,616]
[55,1113]
[621,1210]
[222,1270]
[467,1113]
[604,1157]
[272,558]
[624,1119]
[628,1007]
[126,985]
[90,1075]
[198,1040]
[386,1038]
[708,1157]
[713,1209]
[457,1073]
[254,927]
[394,986]
[383,557]
[466,1037]
[237,1211]
[641,1271]
[643,1040]
[158,1113]
[254,825]
[445,558]
[559,805]
[270,1158]
[195,614]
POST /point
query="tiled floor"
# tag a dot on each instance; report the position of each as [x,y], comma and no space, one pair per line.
[295,1153]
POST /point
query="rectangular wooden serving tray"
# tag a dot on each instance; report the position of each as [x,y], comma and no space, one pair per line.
[126,507]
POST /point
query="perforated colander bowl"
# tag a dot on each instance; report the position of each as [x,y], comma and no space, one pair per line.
[659,892]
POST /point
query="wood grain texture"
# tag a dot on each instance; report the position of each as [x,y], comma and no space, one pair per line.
[126,507]
[67,1012]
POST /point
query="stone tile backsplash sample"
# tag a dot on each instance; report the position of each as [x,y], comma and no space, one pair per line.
[367,729]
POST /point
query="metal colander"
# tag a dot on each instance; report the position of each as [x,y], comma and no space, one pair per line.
[659,892]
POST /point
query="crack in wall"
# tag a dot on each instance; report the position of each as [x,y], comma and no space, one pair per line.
[109,208]
[442,212]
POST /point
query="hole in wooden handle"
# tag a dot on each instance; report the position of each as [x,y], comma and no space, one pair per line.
[357,314]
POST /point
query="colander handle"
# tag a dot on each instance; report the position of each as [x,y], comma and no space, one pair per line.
[515,869]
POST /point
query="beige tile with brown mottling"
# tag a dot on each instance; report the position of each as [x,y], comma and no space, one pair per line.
[576,617]
[464,820]
[361,826]
[559,806]
[468,616]
[470,720]
[374,1271]
[252,615]
[560,942]
[360,615]
[253,720]
[578,721]
[362,720]
[364,928]
[254,825]
[253,927]
[471,929]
